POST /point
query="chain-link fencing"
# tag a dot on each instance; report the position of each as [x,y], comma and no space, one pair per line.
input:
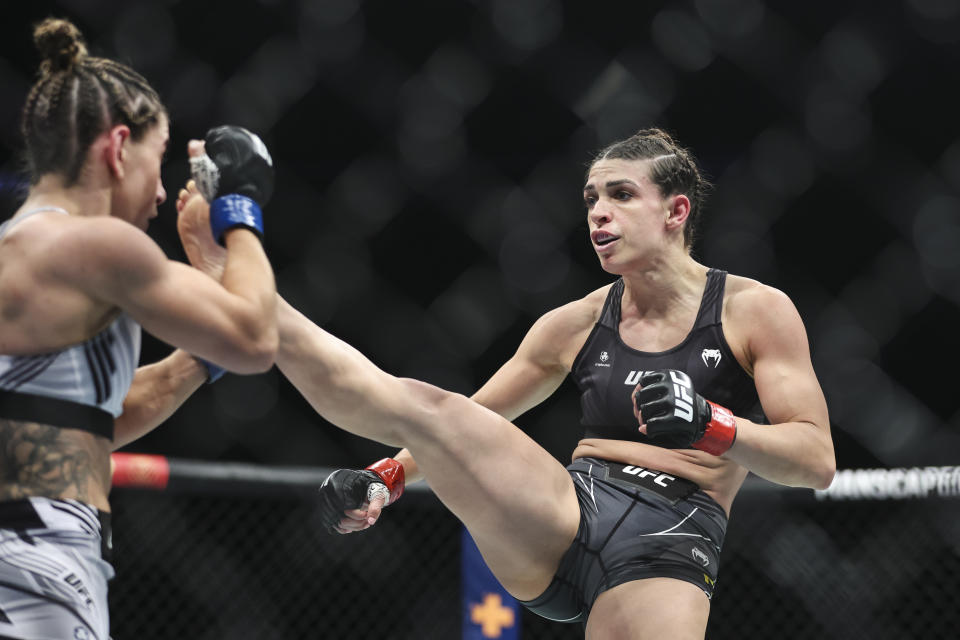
[208,564]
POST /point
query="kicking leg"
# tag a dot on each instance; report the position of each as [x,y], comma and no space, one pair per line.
[517,501]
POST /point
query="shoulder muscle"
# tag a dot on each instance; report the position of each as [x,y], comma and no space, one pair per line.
[763,321]
[557,336]
[106,258]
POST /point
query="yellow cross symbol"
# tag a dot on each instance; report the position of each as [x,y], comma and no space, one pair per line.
[492,616]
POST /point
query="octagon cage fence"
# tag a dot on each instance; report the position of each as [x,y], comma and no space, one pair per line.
[213,550]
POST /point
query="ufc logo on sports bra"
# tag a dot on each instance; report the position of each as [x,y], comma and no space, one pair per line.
[681,391]
[633,378]
[682,388]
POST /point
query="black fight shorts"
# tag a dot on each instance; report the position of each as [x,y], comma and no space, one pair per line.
[635,523]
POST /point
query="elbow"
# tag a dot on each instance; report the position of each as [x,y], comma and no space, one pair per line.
[269,345]
[823,477]
[821,463]
[263,352]
[256,337]
[257,353]
[262,361]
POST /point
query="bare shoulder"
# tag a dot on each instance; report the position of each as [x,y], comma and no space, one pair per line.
[558,335]
[79,264]
[107,245]
[760,319]
[576,316]
[750,302]
[96,255]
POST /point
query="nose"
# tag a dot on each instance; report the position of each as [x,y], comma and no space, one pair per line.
[600,213]
[161,193]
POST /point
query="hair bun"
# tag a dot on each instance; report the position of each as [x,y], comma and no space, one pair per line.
[60,44]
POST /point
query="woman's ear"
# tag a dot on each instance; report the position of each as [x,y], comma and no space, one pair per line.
[115,150]
[678,211]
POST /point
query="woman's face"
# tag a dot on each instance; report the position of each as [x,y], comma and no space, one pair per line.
[141,190]
[626,213]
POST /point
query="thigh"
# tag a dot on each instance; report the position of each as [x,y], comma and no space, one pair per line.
[517,500]
[653,608]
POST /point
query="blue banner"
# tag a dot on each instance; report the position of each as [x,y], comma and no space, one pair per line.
[488,610]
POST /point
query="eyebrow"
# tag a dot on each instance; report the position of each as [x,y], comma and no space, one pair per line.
[612,183]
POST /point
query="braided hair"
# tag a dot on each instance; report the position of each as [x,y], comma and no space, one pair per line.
[76,98]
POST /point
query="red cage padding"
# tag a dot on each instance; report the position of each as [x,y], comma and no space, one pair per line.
[140,470]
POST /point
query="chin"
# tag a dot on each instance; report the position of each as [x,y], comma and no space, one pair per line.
[146,220]
[611,267]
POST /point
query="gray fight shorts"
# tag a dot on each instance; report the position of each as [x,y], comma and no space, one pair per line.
[635,523]
[53,571]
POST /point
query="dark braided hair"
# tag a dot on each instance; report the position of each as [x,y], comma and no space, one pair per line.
[672,168]
[75,99]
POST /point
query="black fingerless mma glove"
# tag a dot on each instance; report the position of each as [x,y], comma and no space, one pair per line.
[678,417]
[343,489]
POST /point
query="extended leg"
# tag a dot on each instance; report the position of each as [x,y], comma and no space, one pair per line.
[517,501]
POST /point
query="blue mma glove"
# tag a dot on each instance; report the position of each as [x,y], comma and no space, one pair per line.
[235,176]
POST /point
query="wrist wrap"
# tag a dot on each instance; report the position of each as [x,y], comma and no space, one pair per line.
[720,432]
[235,210]
[214,372]
[391,473]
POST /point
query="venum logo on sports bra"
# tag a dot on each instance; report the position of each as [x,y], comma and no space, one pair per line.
[604,360]
[711,355]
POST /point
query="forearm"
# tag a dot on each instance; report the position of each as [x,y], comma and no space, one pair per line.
[798,454]
[157,391]
[410,469]
[248,275]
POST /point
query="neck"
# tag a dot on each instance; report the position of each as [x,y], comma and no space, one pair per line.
[664,286]
[77,200]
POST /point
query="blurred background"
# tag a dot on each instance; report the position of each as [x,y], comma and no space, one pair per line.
[430,159]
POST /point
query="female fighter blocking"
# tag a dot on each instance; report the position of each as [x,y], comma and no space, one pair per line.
[78,279]
[689,377]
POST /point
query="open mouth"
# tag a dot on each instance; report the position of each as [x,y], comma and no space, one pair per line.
[602,238]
